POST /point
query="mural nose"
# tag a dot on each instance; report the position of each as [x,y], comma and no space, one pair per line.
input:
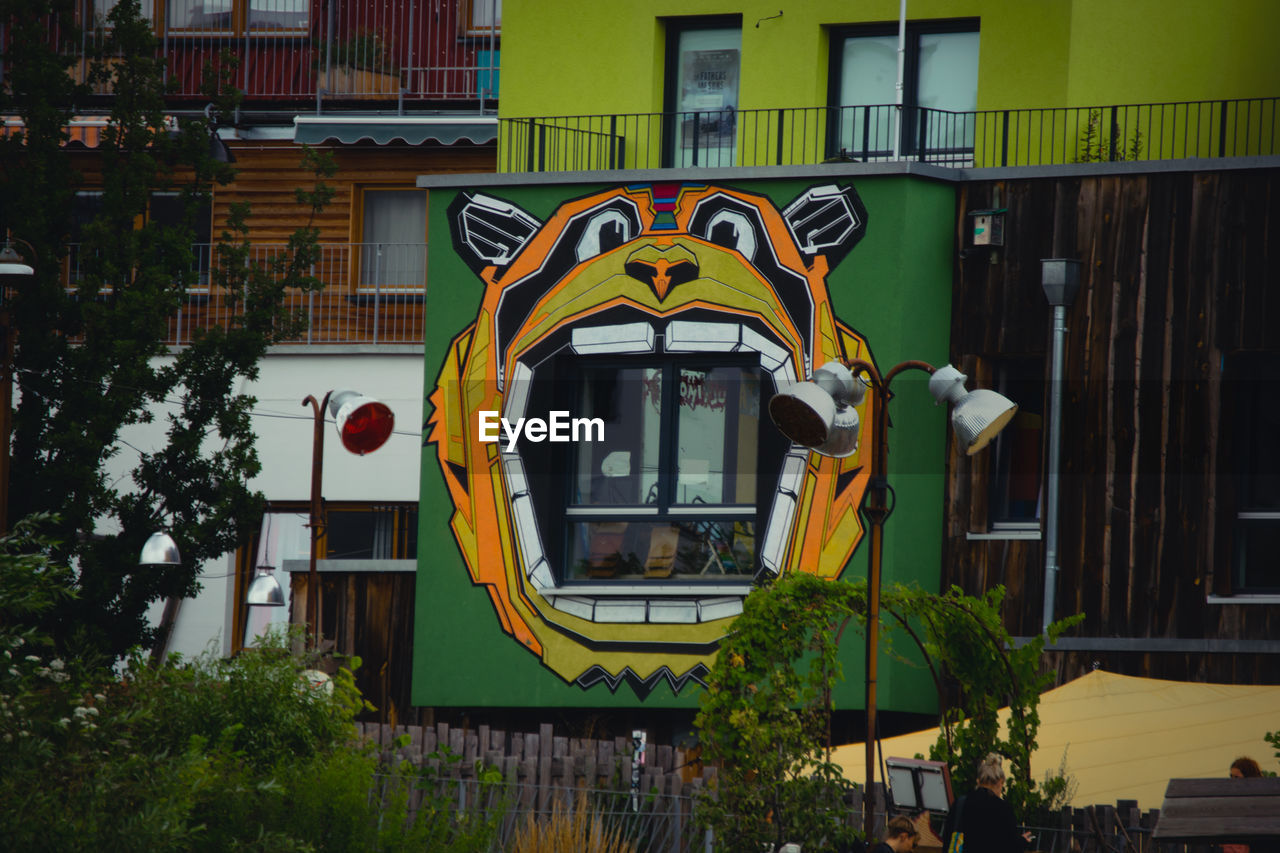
[662,269]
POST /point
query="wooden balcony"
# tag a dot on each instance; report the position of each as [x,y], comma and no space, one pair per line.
[372,295]
[294,51]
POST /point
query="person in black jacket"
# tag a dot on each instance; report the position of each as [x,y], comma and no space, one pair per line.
[984,818]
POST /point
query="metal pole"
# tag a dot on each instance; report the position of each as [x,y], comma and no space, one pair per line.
[317,469]
[1055,456]
[902,70]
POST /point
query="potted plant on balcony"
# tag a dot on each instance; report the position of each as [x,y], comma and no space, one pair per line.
[362,65]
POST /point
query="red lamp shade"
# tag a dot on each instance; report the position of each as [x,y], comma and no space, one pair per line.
[364,424]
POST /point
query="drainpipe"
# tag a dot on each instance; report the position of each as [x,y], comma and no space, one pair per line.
[902,64]
[1060,279]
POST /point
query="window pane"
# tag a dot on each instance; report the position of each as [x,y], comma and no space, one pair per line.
[394,254]
[102,8]
[205,15]
[278,14]
[868,76]
[719,428]
[1015,454]
[707,96]
[661,550]
[1258,555]
[623,468]
[948,80]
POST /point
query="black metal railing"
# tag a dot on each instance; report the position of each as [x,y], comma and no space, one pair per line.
[883,132]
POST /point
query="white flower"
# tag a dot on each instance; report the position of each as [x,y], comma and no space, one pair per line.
[100,697]
[33,658]
[56,663]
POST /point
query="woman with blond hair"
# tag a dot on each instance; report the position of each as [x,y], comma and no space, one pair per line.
[983,819]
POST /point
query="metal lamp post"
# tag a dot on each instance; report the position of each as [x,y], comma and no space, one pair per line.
[821,414]
[364,424]
[14,270]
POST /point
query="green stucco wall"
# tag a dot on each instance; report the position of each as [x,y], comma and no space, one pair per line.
[574,57]
[894,288]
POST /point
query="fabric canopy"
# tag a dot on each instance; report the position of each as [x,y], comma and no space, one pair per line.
[383,130]
[1124,738]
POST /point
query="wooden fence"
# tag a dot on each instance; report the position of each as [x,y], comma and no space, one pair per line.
[660,787]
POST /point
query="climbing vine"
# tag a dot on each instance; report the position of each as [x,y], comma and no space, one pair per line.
[765,716]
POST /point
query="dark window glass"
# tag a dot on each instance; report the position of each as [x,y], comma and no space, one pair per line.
[1252,387]
[1016,492]
[677,437]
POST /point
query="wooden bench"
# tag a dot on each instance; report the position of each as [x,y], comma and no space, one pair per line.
[1225,809]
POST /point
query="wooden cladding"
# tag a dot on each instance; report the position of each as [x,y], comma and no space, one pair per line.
[1179,273]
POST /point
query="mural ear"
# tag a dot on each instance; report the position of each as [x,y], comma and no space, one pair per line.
[827,220]
[487,231]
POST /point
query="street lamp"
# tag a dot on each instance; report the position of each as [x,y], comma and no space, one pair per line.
[364,424]
[821,415]
[14,270]
[161,552]
[264,590]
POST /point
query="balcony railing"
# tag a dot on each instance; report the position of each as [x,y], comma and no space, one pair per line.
[304,50]
[876,133]
[373,293]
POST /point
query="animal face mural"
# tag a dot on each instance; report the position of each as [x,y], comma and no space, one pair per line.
[639,333]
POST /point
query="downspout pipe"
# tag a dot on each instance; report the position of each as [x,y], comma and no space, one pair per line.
[1060,279]
[902,67]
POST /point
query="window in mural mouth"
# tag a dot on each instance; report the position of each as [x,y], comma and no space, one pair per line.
[676,489]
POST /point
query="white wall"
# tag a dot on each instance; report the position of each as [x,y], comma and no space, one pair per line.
[284,439]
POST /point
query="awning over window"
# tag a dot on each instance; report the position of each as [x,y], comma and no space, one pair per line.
[382,130]
[86,132]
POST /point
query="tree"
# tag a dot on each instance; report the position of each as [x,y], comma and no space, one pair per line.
[765,716]
[91,361]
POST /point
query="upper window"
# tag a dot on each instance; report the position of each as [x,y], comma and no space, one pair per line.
[393,249]
[939,91]
[237,16]
[1252,389]
[162,207]
[1015,455]
[480,17]
[668,488]
[703,61]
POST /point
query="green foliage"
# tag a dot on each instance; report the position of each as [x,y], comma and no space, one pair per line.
[764,718]
[765,714]
[91,362]
[365,49]
[965,638]
[1095,147]
[1273,738]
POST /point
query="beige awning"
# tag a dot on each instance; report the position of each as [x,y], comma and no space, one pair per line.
[1125,737]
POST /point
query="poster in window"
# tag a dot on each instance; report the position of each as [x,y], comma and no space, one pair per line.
[708,97]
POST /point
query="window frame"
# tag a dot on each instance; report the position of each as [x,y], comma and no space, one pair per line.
[357,265]
[673,29]
[469,28]
[1243,372]
[241,24]
[567,513]
[910,74]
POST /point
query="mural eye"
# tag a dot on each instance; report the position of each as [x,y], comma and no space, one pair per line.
[605,231]
[733,230]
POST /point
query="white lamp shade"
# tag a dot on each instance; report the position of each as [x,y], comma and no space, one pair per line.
[11,263]
[160,550]
[979,416]
[265,590]
[842,434]
[804,413]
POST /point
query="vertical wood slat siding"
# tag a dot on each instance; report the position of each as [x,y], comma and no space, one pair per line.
[1179,271]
